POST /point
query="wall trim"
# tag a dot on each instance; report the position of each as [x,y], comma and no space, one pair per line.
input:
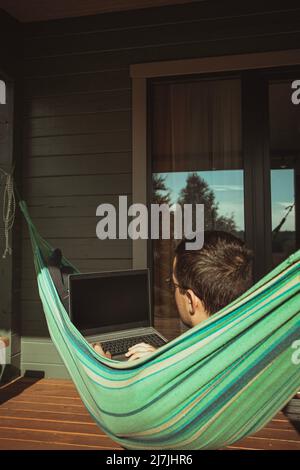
[216,64]
[139,162]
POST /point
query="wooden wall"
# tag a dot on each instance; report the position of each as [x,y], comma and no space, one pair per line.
[77,121]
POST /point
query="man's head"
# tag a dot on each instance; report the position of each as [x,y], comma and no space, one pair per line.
[208,279]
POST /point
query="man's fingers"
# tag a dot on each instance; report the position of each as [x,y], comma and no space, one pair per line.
[141,346]
[99,350]
[135,352]
[138,345]
[140,349]
[139,355]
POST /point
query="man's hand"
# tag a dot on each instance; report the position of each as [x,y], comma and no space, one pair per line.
[139,350]
[99,350]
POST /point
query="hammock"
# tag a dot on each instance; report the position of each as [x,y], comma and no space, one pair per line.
[210,387]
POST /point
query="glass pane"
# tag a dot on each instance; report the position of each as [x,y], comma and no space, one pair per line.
[196,158]
[285,169]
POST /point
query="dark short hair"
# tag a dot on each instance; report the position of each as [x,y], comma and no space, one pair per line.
[218,273]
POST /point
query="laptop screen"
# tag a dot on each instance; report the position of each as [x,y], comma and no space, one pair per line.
[110,301]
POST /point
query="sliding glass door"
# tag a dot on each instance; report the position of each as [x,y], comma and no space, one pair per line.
[232,143]
[196,158]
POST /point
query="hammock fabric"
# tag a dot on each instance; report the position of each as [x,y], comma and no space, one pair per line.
[215,384]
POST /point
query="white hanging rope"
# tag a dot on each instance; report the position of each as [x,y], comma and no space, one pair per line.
[9,209]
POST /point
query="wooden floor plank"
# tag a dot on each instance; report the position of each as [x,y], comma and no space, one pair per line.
[258,443]
[23,444]
[43,391]
[42,406]
[282,434]
[280,424]
[88,428]
[61,437]
[49,414]
[55,399]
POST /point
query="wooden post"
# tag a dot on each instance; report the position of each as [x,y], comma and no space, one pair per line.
[4,344]
[10,156]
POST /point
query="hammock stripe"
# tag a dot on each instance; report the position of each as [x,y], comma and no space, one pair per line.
[208,388]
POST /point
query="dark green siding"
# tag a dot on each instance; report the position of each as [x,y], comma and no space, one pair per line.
[77,121]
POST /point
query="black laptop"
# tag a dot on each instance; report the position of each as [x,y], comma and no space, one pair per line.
[114,308]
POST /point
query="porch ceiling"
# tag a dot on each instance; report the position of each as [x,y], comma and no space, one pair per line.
[42,10]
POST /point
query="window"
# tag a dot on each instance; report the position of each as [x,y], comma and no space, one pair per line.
[196,158]
[200,130]
[223,128]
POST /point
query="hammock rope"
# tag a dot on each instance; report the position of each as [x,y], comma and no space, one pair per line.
[213,385]
[9,209]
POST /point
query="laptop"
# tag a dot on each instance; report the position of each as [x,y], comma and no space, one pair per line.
[114,308]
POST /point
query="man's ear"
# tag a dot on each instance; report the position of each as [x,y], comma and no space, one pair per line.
[193,301]
[196,308]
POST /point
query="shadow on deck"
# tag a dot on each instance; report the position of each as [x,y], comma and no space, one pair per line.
[49,414]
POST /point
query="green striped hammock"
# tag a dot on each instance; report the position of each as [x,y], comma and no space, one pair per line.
[208,388]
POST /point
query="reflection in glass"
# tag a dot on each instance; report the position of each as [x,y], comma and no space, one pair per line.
[285,169]
[222,193]
[196,159]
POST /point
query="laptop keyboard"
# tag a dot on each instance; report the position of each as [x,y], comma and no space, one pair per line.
[121,346]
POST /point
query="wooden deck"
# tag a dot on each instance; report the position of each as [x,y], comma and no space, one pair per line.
[49,415]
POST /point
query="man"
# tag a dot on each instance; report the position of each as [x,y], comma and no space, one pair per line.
[204,281]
